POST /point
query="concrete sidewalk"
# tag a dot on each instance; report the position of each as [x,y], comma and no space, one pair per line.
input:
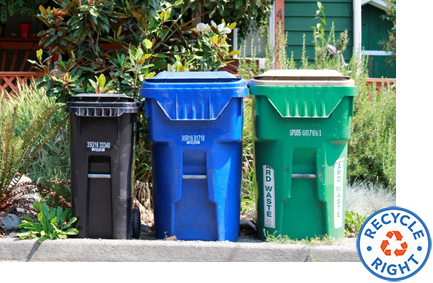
[97,250]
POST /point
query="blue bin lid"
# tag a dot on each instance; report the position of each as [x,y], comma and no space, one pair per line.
[193,77]
[193,95]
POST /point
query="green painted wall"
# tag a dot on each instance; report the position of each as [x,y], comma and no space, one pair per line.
[299,17]
[374,30]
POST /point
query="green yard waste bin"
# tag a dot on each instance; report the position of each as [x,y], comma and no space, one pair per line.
[301,128]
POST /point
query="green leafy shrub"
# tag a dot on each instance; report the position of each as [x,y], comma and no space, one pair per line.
[23,132]
[128,41]
[50,166]
[52,224]
[372,147]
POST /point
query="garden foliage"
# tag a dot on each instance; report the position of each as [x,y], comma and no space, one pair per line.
[53,223]
[372,148]
[24,130]
[111,46]
[128,41]
[23,7]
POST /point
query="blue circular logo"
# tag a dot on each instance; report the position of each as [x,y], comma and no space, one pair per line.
[394,243]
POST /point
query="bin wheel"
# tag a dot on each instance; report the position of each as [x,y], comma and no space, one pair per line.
[136,223]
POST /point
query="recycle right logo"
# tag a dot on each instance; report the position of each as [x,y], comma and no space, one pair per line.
[385,244]
[394,243]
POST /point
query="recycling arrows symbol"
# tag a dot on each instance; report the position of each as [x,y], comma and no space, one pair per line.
[398,237]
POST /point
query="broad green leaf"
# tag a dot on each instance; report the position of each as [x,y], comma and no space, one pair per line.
[147,43]
[177,3]
[38,206]
[161,15]
[25,235]
[26,217]
[94,12]
[62,236]
[71,231]
[40,240]
[101,80]
[167,15]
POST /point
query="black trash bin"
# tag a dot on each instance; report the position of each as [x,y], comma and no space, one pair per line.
[102,129]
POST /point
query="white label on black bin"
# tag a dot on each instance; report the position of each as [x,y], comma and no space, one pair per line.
[98,146]
[193,139]
[269,196]
[339,166]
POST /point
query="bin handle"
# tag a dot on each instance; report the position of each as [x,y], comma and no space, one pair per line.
[194,177]
[304,176]
[99,176]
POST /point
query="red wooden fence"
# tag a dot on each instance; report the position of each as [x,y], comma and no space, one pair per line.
[9,80]
[14,67]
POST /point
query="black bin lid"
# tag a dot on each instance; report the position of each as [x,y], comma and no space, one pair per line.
[102,105]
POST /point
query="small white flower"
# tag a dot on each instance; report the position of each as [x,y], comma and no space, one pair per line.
[213,24]
[203,27]
[223,30]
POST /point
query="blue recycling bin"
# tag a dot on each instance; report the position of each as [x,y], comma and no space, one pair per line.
[195,128]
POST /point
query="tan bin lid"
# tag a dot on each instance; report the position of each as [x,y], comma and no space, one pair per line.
[302,78]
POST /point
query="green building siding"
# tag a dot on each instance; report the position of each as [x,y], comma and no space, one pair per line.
[300,17]
[375,30]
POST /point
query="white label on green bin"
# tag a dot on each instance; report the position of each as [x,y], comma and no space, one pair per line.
[98,146]
[305,133]
[269,196]
[338,192]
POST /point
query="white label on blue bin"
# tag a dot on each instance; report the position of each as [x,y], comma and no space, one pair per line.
[193,139]
[269,196]
[338,192]
[98,146]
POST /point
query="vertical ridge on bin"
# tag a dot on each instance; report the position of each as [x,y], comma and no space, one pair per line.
[323,109]
[296,109]
[211,112]
[305,114]
[314,109]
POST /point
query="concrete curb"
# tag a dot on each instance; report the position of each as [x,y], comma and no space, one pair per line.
[94,250]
